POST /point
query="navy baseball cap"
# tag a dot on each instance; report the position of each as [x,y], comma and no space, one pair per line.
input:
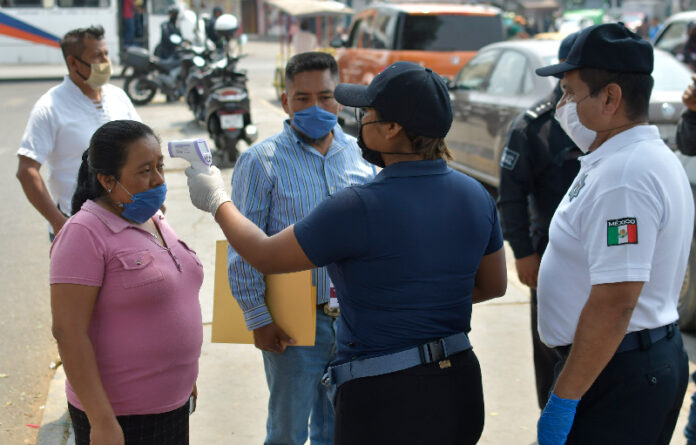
[566,45]
[609,46]
[412,96]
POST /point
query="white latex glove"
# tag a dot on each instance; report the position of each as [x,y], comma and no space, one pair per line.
[207,191]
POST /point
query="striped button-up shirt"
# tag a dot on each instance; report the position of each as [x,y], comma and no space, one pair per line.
[275,184]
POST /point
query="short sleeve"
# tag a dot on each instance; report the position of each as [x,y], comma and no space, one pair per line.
[495,242]
[39,136]
[619,231]
[335,230]
[77,257]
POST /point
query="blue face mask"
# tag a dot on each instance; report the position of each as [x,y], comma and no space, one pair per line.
[145,204]
[314,121]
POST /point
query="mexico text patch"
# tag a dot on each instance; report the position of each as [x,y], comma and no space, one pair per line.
[508,159]
[622,231]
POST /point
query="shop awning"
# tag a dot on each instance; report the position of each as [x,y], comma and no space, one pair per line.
[308,8]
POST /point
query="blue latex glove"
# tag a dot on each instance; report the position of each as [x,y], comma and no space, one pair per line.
[556,420]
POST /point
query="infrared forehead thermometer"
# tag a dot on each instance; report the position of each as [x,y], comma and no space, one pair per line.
[196,151]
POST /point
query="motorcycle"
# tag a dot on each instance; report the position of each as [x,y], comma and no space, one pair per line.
[227,111]
[150,73]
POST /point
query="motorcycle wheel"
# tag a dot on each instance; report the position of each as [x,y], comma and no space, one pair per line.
[227,147]
[139,90]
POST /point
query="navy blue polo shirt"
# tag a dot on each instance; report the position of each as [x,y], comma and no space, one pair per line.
[402,252]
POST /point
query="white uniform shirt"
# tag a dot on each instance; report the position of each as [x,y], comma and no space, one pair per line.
[629,216]
[59,129]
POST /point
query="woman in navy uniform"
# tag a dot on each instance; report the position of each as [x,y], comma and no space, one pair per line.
[408,254]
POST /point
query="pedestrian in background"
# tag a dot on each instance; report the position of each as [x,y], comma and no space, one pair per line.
[686,128]
[408,254]
[210,28]
[610,278]
[304,40]
[124,298]
[63,120]
[686,142]
[686,53]
[275,184]
[537,166]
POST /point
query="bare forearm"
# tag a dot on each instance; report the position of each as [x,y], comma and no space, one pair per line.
[601,327]
[80,364]
[38,195]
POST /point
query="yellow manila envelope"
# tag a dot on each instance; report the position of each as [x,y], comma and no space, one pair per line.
[290,299]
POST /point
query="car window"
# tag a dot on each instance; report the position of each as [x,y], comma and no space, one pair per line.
[366,32]
[383,32]
[673,36]
[508,74]
[354,33]
[450,32]
[474,75]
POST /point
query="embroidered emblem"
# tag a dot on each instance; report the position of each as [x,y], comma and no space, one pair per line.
[577,186]
[508,159]
[622,231]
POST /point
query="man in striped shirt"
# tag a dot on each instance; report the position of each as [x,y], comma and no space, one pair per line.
[276,183]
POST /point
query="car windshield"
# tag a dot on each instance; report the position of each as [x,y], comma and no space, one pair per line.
[450,32]
[669,73]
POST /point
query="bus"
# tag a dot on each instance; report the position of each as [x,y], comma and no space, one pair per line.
[30,30]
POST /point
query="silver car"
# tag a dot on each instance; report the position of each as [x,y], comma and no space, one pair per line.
[499,83]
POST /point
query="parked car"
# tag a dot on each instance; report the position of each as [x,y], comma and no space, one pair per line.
[499,83]
[673,36]
[442,37]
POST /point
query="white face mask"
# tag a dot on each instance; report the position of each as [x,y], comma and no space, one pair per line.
[567,117]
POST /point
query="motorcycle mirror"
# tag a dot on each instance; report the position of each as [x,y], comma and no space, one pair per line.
[175,39]
[243,39]
[199,61]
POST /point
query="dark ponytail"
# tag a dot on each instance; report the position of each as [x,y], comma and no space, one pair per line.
[107,154]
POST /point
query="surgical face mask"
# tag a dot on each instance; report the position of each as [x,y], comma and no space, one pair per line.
[567,117]
[144,204]
[99,74]
[315,122]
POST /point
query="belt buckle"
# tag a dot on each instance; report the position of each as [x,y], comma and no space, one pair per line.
[331,311]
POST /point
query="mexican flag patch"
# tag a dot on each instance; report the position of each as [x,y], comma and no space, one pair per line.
[622,231]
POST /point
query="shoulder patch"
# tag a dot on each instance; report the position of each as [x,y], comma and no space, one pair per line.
[508,159]
[622,231]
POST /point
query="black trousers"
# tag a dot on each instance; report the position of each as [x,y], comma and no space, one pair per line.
[636,399]
[545,359]
[419,405]
[170,428]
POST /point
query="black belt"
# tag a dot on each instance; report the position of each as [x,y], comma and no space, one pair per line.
[330,311]
[635,340]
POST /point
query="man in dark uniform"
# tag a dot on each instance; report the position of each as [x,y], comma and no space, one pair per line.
[538,165]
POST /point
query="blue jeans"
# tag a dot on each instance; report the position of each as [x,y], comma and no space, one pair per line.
[128,32]
[690,430]
[298,399]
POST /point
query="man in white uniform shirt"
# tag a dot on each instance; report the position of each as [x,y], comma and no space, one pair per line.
[619,241]
[63,121]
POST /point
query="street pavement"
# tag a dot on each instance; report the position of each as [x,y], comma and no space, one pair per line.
[231,384]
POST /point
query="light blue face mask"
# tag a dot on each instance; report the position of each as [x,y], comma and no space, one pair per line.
[314,122]
[145,204]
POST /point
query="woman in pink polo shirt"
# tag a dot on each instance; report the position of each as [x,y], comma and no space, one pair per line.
[124,296]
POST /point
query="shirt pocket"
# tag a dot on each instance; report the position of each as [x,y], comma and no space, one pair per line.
[138,269]
[192,253]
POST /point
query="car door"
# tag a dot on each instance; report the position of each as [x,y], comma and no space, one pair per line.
[486,97]
[352,60]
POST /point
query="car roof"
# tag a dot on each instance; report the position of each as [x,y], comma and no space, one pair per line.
[685,16]
[540,47]
[440,8]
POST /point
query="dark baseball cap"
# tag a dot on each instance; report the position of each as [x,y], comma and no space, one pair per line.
[609,46]
[412,96]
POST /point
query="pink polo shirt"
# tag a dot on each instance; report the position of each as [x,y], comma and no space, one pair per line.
[146,326]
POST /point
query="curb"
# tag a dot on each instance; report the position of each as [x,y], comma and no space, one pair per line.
[56,428]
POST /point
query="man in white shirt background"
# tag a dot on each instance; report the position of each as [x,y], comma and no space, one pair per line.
[63,120]
[304,40]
